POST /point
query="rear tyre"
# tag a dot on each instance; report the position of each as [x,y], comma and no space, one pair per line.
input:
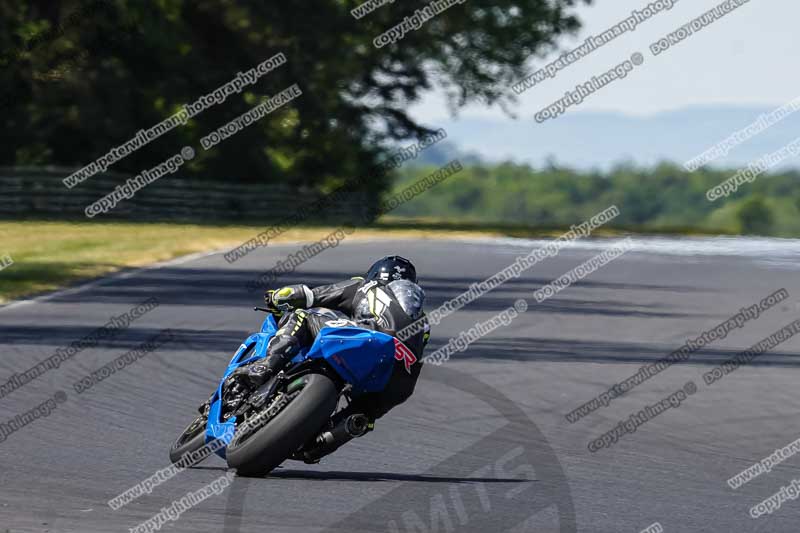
[192,439]
[313,398]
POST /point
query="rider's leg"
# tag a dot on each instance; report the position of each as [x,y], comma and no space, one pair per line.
[295,330]
[293,333]
[399,389]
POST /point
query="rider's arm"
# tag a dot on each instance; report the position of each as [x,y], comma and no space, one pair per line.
[337,296]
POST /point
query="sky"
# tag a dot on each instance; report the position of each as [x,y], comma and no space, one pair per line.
[745,59]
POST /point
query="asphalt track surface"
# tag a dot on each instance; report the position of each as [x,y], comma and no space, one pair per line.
[483,445]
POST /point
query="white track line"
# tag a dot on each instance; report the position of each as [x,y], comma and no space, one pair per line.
[124,275]
[111,277]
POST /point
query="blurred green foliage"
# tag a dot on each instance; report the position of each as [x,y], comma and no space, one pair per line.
[81,77]
[664,198]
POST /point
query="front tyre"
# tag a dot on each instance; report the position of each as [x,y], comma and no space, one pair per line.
[311,401]
[192,439]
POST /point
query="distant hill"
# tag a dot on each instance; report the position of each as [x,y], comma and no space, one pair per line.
[599,140]
[442,153]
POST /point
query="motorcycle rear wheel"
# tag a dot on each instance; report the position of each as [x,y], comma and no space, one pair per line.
[312,401]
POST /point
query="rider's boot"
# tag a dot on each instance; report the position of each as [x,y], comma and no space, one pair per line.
[280,350]
[233,394]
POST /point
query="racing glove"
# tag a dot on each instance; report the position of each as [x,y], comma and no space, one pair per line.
[270,305]
[289,298]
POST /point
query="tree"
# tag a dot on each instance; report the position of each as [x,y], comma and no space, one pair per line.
[85,77]
[754,216]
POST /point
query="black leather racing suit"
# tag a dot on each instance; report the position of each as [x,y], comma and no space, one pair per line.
[370,304]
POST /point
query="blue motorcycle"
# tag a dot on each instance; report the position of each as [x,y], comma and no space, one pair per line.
[292,411]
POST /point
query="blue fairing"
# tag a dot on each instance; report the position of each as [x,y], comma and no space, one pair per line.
[363,358]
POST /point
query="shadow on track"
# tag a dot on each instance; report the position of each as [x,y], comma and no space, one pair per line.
[383,476]
[228,288]
[334,475]
[520,439]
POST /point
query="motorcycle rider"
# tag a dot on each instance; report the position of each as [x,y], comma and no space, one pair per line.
[386,299]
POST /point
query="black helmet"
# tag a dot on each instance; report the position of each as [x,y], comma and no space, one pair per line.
[392,267]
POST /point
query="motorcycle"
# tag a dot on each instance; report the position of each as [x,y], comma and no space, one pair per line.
[293,413]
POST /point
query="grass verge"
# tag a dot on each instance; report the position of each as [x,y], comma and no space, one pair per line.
[49,255]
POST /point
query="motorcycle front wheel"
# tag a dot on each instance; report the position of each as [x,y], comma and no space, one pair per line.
[192,439]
